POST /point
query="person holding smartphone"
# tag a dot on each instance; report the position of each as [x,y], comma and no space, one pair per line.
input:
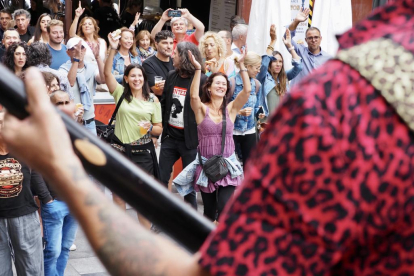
[179,27]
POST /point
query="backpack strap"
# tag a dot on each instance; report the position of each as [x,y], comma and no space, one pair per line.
[389,67]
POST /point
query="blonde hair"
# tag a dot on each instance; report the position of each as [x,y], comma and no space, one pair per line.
[133,50]
[221,45]
[251,58]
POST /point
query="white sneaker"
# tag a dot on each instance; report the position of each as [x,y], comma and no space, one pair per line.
[73,247]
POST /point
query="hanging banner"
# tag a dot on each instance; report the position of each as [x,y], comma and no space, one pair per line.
[296,6]
[220,14]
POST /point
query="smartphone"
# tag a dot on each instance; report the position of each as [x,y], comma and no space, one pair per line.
[174,13]
[260,111]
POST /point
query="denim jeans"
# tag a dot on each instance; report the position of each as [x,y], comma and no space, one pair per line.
[171,151]
[59,230]
[23,236]
[91,127]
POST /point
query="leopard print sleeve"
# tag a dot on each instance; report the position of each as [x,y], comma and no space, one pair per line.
[329,190]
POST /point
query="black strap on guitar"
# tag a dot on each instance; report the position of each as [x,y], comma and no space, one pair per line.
[223,136]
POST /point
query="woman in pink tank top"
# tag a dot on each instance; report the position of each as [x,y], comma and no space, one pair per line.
[208,113]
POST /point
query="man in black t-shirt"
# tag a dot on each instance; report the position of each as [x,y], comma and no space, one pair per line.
[161,63]
[179,136]
[19,220]
[22,19]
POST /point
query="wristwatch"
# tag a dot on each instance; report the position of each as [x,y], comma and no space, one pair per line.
[76,60]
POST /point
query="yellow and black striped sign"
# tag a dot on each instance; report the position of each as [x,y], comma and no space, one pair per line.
[311,5]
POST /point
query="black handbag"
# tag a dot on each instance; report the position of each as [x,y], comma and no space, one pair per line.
[216,168]
[107,132]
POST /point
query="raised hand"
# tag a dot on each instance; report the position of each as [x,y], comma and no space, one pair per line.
[137,15]
[79,11]
[78,50]
[272,32]
[165,16]
[288,40]
[240,59]
[193,60]
[95,49]
[113,42]
[184,13]
[302,15]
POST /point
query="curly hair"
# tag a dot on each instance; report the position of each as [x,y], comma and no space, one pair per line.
[185,68]
[8,59]
[206,95]
[127,89]
[39,53]
[133,50]
[38,30]
[221,45]
[80,32]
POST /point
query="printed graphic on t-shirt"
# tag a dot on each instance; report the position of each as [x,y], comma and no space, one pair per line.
[11,178]
[177,108]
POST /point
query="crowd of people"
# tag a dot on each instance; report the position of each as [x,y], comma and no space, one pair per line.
[196,94]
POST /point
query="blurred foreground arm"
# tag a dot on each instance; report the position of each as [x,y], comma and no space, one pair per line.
[123,246]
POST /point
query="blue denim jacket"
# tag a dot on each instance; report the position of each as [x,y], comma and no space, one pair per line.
[184,181]
[118,65]
[244,123]
[268,83]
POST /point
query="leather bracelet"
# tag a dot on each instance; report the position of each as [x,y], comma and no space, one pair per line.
[270,47]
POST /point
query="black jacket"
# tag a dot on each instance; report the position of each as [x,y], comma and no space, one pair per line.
[190,124]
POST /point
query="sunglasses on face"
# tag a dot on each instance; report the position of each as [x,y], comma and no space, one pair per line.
[82,47]
[63,103]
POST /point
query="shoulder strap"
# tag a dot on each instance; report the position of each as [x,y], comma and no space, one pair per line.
[116,109]
[257,85]
[223,130]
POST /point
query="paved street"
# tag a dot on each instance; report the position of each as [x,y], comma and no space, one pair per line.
[84,262]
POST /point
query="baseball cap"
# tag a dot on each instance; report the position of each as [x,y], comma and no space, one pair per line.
[74,41]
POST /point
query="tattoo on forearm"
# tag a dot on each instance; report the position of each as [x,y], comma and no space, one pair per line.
[77,174]
[124,250]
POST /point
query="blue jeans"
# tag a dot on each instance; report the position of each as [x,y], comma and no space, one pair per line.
[59,230]
[171,151]
[91,127]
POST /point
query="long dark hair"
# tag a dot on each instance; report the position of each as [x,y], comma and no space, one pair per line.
[8,58]
[38,30]
[185,67]
[282,77]
[127,89]
[206,95]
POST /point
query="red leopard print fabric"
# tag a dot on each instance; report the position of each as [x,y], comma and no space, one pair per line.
[330,186]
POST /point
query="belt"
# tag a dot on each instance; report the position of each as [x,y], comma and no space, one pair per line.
[85,122]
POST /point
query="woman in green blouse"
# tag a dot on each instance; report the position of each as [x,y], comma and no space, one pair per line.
[138,117]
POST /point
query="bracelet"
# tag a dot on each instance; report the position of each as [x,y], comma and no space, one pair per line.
[291,48]
[132,28]
[270,47]
[76,60]
[114,49]
[243,70]
[150,129]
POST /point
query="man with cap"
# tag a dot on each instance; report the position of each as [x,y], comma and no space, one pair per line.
[83,77]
